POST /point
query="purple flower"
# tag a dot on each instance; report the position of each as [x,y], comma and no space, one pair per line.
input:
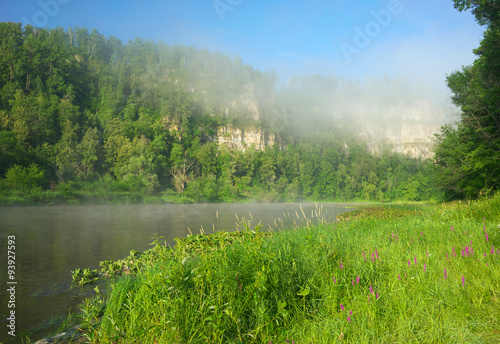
[348,319]
[342,307]
[357,280]
[409,263]
[445,274]
[350,313]
[287,341]
[463,281]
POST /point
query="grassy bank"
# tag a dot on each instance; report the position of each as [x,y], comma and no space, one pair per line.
[388,275]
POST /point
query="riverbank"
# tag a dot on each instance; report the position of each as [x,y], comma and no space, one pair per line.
[421,274]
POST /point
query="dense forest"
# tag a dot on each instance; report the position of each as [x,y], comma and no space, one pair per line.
[88,118]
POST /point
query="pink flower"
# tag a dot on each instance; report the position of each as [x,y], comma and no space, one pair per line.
[357,280]
[409,263]
[350,313]
[445,274]
[463,281]
[399,277]
[415,261]
[425,268]
[341,266]
[342,307]
[348,319]
[371,289]
[352,282]
[334,280]
[492,250]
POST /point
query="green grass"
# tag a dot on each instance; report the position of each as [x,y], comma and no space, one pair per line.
[253,287]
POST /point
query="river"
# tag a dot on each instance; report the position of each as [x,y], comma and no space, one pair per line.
[51,241]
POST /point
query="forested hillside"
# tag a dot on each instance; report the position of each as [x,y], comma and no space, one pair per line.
[85,117]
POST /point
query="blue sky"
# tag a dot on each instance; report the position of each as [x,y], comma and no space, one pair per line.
[419,39]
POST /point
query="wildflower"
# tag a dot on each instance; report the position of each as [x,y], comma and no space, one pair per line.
[415,261]
[399,277]
[492,250]
[350,313]
[452,228]
[445,274]
[371,289]
[373,257]
[486,235]
[240,287]
[352,282]
[409,263]
[376,295]
[376,254]
[342,307]
[341,266]
[348,319]
[463,281]
[357,280]
[425,268]
[334,280]
[422,233]
[427,252]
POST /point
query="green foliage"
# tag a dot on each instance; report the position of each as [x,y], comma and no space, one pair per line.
[25,178]
[468,157]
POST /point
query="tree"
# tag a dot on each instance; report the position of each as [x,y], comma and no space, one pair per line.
[472,150]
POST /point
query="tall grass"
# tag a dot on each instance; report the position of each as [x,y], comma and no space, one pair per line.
[385,276]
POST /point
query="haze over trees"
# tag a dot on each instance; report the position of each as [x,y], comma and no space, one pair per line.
[85,116]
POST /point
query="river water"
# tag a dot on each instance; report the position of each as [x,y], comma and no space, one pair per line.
[51,241]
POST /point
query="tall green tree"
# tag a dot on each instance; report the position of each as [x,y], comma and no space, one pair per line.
[472,150]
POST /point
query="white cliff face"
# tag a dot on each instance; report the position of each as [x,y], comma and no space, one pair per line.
[403,128]
[242,139]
